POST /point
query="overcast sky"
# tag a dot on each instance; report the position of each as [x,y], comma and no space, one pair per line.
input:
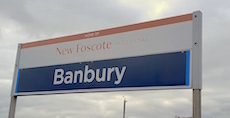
[24,21]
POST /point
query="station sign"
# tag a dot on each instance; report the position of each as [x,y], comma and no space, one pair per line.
[151,55]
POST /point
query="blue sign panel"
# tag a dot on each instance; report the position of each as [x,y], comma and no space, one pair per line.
[170,69]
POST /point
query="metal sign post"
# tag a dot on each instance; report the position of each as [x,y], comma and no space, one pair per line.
[196,103]
[13,100]
[12,106]
[197,63]
[124,107]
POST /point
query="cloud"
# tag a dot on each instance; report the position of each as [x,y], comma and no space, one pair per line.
[152,9]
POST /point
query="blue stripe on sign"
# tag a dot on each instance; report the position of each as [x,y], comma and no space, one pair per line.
[145,71]
[187,67]
[17,81]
